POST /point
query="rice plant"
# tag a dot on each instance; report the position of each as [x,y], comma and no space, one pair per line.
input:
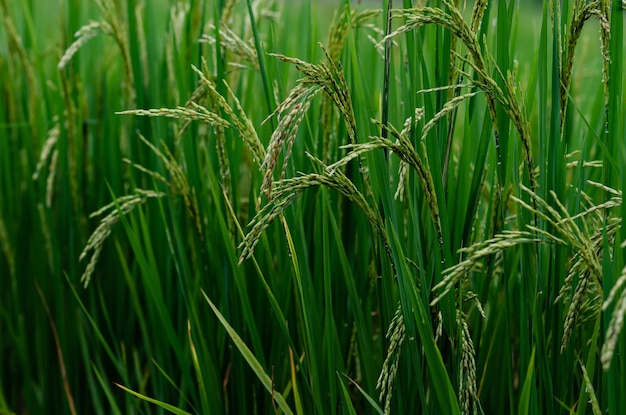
[312,207]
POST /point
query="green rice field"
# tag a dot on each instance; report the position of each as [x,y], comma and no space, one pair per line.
[312,207]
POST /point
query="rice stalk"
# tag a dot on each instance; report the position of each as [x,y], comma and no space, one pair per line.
[82,36]
[404,149]
[223,161]
[396,334]
[227,12]
[454,22]
[52,171]
[587,246]
[423,16]
[114,20]
[337,35]
[475,254]
[196,113]
[240,121]
[448,108]
[456,84]
[46,151]
[583,11]
[468,392]
[140,9]
[16,46]
[617,320]
[116,210]
[286,191]
[403,169]
[338,31]
[6,245]
[593,399]
[240,50]
[605,42]
[178,182]
[386,70]
[47,236]
[327,77]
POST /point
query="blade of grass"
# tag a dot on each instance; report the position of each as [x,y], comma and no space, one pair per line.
[250,358]
[170,408]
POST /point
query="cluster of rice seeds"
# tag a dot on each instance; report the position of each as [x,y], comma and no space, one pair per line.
[241,50]
[448,108]
[569,233]
[575,307]
[354,357]
[617,320]
[338,32]
[118,208]
[192,111]
[468,392]
[328,76]
[195,113]
[240,122]
[403,169]
[17,47]
[593,399]
[456,79]
[321,77]
[286,191]
[337,36]
[374,33]
[291,112]
[588,246]
[404,149]
[83,35]
[603,226]
[475,254]
[119,31]
[477,15]
[111,25]
[454,22]
[227,11]
[224,165]
[396,335]
[47,237]
[272,210]
[223,162]
[583,11]
[178,182]
[605,37]
[342,21]
[49,154]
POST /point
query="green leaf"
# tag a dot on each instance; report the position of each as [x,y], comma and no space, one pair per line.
[163,405]
[250,358]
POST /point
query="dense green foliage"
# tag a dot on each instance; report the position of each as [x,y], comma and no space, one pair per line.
[412,207]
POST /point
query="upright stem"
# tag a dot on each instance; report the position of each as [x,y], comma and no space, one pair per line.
[385,106]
